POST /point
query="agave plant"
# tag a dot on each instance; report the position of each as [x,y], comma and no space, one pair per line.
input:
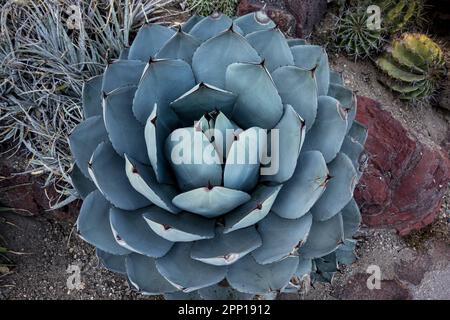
[218,228]
[415,66]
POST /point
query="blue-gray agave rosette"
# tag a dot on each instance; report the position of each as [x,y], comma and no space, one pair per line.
[218,230]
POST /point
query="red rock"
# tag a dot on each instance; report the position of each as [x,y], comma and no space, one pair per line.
[26,194]
[405,181]
[294,17]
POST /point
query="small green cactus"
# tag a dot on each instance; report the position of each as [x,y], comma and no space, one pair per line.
[397,15]
[354,37]
[208,7]
[415,66]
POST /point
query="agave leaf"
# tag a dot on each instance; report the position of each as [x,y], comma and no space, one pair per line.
[184,227]
[162,82]
[225,128]
[325,268]
[83,185]
[272,47]
[242,165]
[93,224]
[254,210]
[84,139]
[181,46]
[143,180]
[359,132]
[258,103]
[211,202]
[201,99]
[307,185]
[108,172]
[345,254]
[298,88]
[248,276]
[191,22]
[226,249]
[238,29]
[122,73]
[353,149]
[296,42]
[336,78]
[114,263]
[213,57]
[351,218]
[291,130]
[304,267]
[193,158]
[149,40]
[310,57]
[219,292]
[92,97]
[329,129]
[183,272]
[132,233]
[339,189]
[342,94]
[324,237]
[281,237]
[351,113]
[211,26]
[144,275]
[254,21]
[156,132]
[125,132]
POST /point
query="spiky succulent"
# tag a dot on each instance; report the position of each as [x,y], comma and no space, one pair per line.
[215,227]
[353,35]
[400,14]
[415,65]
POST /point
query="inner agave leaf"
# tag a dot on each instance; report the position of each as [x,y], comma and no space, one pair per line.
[203,98]
[210,201]
[242,167]
[193,158]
